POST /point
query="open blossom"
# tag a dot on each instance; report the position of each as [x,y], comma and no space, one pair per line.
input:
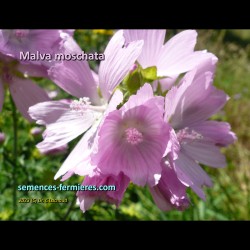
[86,198]
[133,139]
[64,122]
[24,92]
[174,57]
[188,108]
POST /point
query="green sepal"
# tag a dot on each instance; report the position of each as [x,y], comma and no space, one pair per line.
[149,74]
[133,81]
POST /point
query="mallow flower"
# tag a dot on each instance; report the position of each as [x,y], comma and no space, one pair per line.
[188,108]
[128,146]
[172,58]
[64,122]
[133,139]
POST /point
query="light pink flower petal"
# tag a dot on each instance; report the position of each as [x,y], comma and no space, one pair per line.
[167,83]
[56,151]
[76,78]
[68,45]
[144,94]
[78,161]
[196,98]
[218,132]
[178,54]
[85,203]
[67,175]
[1,95]
[119,58]
[173,146]
[86,198]
[191,174]
[205,152]
[155,85]
[174,95]
[44,40]
[95,77]
[121,183]
[169,193]
[68,31]
[48,112]
[63,124]
[160,200]
[33,70]
[115,100]
[183,64]
[153,45]
[25,94]
[200,108]
[170,103]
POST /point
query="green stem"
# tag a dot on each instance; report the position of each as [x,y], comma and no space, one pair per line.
[14,117]
[70,207]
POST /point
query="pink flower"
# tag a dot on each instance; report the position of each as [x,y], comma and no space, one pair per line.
[23,91]
[87,198]
[187,108]
[174,57]
[169,193]
[64,122]
[133,139]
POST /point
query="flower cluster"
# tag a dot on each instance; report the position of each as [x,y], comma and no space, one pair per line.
[144,115]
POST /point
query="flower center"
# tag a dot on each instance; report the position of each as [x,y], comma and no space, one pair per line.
[187,135]
[133,136]
[80,105]
[84,104]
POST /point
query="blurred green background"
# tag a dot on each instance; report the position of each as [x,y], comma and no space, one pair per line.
[228,199]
